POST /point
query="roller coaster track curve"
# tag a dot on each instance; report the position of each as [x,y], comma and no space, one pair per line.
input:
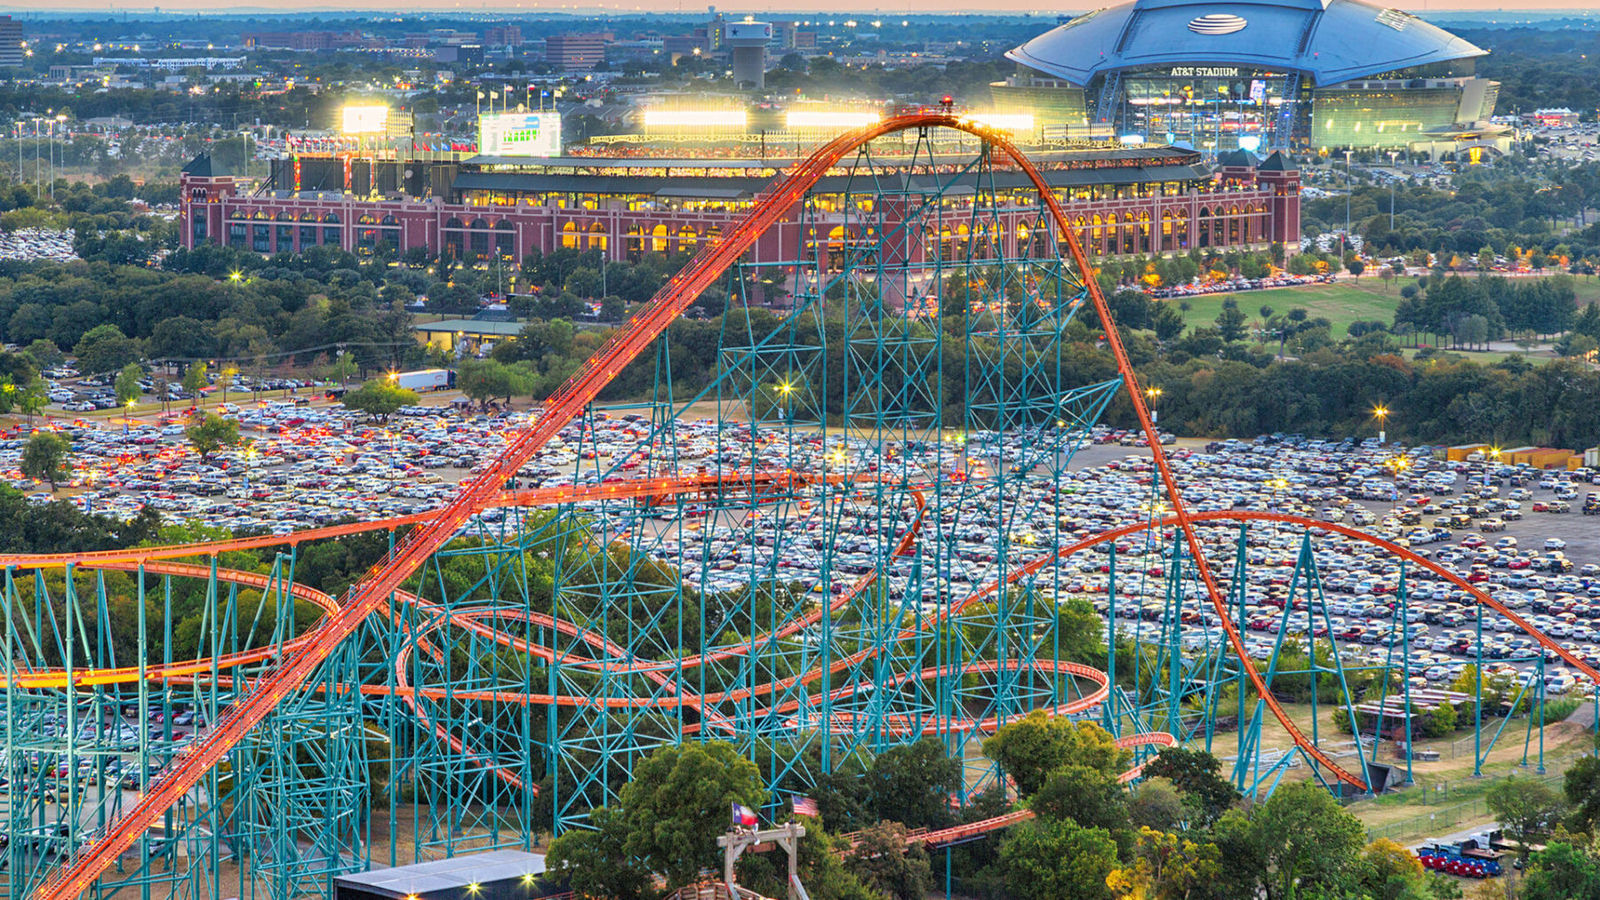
[375,589]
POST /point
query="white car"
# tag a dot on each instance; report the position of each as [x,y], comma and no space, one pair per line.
[1555,544]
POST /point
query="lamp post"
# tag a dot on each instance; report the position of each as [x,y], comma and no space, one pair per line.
[1393,177]
[1349,186]
[1153,394]
[127,416]
[1381,413]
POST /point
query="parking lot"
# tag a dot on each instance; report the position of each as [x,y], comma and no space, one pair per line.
[315,465]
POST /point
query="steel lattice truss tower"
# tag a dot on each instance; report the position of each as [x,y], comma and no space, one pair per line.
[898,402]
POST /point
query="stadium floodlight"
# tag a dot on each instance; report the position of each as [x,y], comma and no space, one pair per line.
[835,118]
[1003,121]
[364,119]
[695,118]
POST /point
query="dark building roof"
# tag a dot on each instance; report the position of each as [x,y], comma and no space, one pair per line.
[1239,159]
[199,167]
[1331,40]
[1277,162]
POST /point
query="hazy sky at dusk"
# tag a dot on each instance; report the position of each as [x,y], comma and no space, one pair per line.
[866,9]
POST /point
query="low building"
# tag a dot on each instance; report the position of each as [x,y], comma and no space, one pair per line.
[494,875]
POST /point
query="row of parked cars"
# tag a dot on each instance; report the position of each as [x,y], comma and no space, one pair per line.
[994,501]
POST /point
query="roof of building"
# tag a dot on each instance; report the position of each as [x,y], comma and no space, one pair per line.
[474,327]
[1331,40]
[199,167]
[1277,162]
[444,874]
[732,188]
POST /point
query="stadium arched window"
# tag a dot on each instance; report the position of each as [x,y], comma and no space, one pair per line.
[598,239]
[658,239]
[569,236]
[687,239]
[505,239]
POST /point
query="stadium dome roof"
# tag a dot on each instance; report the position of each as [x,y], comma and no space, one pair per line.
[1332,40]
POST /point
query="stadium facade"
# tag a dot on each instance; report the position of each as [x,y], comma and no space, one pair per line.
[1299,75]
[483,209]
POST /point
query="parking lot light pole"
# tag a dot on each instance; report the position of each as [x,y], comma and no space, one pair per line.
[1394,177]
[1381,413]
[1154,393]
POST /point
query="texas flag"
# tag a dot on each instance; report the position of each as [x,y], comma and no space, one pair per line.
[744,816]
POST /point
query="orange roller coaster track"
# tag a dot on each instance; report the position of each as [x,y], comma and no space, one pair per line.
[432,531]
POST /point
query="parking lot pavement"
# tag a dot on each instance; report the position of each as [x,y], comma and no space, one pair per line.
[311,465]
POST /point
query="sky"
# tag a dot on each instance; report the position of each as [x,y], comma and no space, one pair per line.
[892,7]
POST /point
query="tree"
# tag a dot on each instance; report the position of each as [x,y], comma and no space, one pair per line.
[1167,322]
[1035,745]
[883,861]
[1057,861]
[212,434]
[342,367]
[1355,267]
[1165,867]
[45,354]
[1562,871]
[912,784]
[1196,776]
[104,348]
[47,457]
[1157,804]
[194,378]
[1525,808]
[1080,794]
[379,398]
[1231,322]
[1581,786]
[678,802]
[127,383]
[486,379]
[594,861]
[33,397]
[1305,839]
[1387,868]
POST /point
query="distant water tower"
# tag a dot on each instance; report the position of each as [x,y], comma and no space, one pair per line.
[746,43]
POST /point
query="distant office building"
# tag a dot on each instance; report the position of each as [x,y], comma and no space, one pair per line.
[575,52]
[746,43]
[503,36]
[11,50]
[303,41]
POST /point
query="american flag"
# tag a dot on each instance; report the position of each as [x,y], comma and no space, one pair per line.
[805,806]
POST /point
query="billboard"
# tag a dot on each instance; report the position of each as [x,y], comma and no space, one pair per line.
[519,134]
[364,119]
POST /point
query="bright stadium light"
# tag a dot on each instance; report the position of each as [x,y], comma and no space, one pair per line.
[364,119]
[829,119]
[695,118]
[1003,121]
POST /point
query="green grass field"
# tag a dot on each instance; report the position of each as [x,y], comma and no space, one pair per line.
[1340,303]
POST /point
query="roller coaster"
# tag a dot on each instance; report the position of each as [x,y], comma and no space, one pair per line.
[909,403]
